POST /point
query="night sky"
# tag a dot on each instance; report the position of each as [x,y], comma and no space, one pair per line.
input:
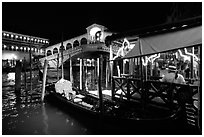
[51,19]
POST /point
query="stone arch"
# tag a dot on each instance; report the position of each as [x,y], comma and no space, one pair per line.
[69,46]
[83,41]
[49,52]
[55,50]
[62,48]
[76,43]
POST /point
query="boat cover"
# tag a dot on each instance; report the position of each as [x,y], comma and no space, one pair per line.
[166,42]
[63,86]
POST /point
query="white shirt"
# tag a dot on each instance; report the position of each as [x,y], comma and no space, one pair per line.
[170,77]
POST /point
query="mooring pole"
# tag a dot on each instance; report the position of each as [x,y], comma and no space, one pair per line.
[57,66]
[100,68]
[24,67]
[70,73]
[18,77]
[30,53]
[44,79]
[81,75]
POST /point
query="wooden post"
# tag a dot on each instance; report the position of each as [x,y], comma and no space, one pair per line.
[62,64]
[30,68]
[24,66]
[18,77]
[57,66]
[100,67]
[70,73]
[80,74]
[44,79]
[107,76]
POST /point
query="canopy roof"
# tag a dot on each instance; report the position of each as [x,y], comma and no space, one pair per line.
[166,42]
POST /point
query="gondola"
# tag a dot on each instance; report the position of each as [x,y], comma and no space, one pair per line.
[117,112]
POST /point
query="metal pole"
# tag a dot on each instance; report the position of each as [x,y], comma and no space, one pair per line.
[44,79]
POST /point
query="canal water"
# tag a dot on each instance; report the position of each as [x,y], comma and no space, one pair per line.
[25,114]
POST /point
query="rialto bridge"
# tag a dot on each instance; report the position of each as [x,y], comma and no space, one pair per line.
[83,46]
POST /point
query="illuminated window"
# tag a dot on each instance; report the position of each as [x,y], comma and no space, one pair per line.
[20,37]
[4,34]
[16,36]
[16,47]
[11,35]
[21,48]
[7,35]
[28,38]
[12,47]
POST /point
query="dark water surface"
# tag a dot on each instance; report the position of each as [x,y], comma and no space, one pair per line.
[25,114]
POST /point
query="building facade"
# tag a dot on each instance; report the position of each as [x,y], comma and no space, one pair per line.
[17,46]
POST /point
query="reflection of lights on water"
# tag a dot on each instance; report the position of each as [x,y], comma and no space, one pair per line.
[11,76]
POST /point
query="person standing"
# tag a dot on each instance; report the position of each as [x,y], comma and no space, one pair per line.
[172,76]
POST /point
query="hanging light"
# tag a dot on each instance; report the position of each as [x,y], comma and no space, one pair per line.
[21,48]
[20,37]
[4,46]
[24,38]
[4,34]
[16,36]
[31,39]
[24,48]
[7,35]
[28,38]
[16,47]
[11,35]
[28,48]
[12,47]
[32,49]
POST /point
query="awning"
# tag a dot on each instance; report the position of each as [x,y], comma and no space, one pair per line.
[166,42]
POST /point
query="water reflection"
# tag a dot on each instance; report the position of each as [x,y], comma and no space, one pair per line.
[25,114]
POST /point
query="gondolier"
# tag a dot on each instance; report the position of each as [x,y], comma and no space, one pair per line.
[172,76]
